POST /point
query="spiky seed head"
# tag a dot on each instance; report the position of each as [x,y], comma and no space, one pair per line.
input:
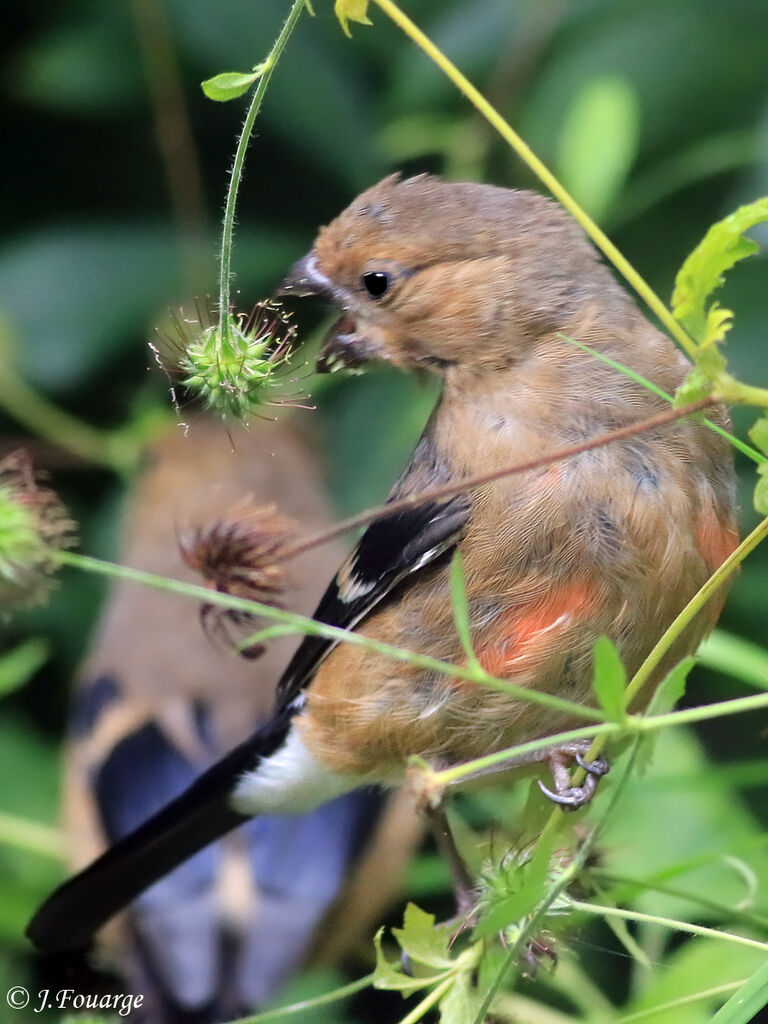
[34,525]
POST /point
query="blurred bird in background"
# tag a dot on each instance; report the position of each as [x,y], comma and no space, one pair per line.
[158,701]
[475,284]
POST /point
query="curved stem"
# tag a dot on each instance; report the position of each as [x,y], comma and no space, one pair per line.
[112,449]
[308,1004]
[667,922]
[225,266]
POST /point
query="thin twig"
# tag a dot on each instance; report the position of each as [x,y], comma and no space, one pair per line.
[472,483]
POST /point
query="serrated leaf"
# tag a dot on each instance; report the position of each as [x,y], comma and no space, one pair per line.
[702,272]
[229,85]
[421,940]
[695,387]
[351,10]
[18,665]
[610,680]
[389,975]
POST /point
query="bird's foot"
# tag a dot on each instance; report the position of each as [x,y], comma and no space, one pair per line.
[569,797]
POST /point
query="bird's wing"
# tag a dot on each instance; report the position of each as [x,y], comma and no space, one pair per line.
[390,550]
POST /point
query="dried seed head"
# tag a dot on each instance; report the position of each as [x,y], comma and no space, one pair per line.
[242,553]
[236,366]
[33,526]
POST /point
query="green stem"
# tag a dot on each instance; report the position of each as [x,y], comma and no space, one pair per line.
[311,627]
[102,448]
[604,730]
[564,879]
[542,172]
[308,1004]
[667,922]
[673,1004]
[31,836]
[727,389]
[225,271]
[745,449]
[427,1003]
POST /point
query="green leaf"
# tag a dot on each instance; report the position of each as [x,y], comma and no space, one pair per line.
[351,10]
[390,976]
[702,272]
[610,680]
[599,142]
[421,940]
[19,664]
[529,880]
[229,84]
[462,1002]
[746,1003]
[461,610]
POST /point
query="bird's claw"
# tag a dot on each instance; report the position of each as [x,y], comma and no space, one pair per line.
[571,798]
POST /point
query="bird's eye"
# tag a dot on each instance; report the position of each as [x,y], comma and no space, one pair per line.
[376,283]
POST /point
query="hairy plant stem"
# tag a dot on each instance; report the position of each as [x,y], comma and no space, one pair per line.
[667,922]
[236,174]
[304,625]
[308,1004]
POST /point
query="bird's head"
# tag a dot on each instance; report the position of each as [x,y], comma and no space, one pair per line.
[434,274]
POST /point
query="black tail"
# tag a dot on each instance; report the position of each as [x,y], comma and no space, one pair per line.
[69,918]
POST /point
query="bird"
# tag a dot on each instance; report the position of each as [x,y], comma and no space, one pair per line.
[158,700]
[480,286]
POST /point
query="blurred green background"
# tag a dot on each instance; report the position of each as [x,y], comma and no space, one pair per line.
[113,176]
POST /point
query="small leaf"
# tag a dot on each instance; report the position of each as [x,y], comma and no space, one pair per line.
[702,272]
[610,680]
[421,940]
[230,84]
[18,665]
[352,10]
[461,610]
[390,976]
[695,387]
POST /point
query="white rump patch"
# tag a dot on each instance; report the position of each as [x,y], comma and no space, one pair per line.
[291,781]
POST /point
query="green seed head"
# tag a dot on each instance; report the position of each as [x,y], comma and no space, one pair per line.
[33,526]
[233,366]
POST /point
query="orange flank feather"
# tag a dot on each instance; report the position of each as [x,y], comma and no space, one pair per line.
[523,633]
[715,540]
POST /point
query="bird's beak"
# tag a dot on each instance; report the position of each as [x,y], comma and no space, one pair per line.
[342,348]
[305,279]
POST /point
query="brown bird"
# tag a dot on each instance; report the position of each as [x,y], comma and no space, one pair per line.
[157,702]
[474,284]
